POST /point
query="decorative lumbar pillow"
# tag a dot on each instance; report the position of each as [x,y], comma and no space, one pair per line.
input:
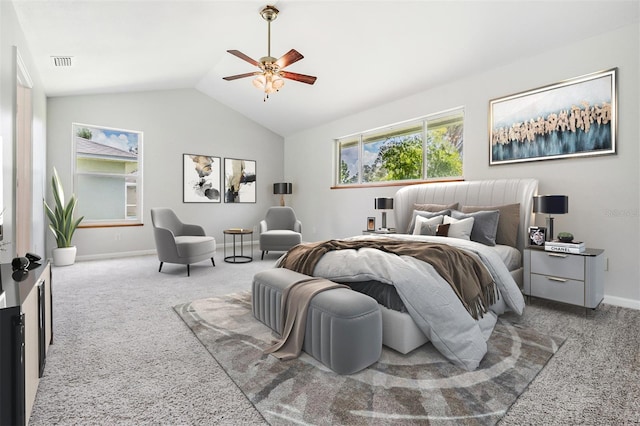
[459,228]
[424,214]
[485,225]
[427,226]
[508,223]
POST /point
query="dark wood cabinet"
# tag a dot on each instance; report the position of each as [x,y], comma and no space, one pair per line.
[26,331]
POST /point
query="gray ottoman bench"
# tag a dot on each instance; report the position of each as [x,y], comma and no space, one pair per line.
[344,327]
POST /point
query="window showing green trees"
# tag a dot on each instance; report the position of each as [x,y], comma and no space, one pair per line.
[426,148]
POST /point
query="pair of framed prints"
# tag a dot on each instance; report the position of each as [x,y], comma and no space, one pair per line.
[202,182]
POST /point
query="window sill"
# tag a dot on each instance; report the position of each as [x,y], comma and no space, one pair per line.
[108,225]
[396,183]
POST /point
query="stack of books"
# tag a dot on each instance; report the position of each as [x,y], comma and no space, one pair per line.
[572,247]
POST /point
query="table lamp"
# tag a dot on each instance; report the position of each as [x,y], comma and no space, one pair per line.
[282,188]
[383,204]
[550,204]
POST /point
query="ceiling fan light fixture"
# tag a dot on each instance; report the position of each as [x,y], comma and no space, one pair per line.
[259,82]
[271,76]
[277,82]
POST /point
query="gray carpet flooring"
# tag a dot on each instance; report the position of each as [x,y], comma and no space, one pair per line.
[122,356]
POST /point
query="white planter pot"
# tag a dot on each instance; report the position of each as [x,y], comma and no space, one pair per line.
[63,256]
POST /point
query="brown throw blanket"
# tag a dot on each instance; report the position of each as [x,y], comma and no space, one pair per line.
[466,275]
[294,306]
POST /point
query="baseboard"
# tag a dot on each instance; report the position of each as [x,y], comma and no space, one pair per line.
[622,302]
[115,255]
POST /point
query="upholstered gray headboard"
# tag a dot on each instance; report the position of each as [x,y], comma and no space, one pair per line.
[469,193]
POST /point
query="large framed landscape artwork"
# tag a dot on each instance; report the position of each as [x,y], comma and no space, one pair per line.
[572,118]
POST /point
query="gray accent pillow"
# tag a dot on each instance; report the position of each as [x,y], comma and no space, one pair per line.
[485,225]
[425,214]
[507,224]
[427,226]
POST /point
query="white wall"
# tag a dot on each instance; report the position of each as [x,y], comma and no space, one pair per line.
[174,122]
[604,192]
[12,36]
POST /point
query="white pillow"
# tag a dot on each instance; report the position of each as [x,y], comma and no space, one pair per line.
[423,224]
[459,228]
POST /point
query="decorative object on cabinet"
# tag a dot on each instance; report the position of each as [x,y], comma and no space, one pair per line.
[537,236]
[371,224]
[281,189]
[382,203]
[62,223]
[573,278]
[201,179]
[239,181]
[33,258]
[20,263]
[565,237]
[559,246]
[572,118]
[550,204]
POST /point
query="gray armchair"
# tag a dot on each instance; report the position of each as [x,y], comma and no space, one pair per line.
[178,242]
[279,230]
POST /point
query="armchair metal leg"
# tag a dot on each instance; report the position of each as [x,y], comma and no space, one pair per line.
[188,271]
[263,252]
[160,269]
[213,261]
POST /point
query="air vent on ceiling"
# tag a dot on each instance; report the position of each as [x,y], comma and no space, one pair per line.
[62,61]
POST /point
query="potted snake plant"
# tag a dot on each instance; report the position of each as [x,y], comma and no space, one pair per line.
[62,223]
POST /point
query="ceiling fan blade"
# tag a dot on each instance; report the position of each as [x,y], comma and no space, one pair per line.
[244,57]
[237,76]
[309,79]
[289,58]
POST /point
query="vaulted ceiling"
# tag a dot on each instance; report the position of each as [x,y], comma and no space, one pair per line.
[364,53]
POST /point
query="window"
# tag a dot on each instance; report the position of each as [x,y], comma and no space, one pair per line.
[426,148]
[107,175]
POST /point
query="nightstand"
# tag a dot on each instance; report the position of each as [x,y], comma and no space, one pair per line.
[577,279]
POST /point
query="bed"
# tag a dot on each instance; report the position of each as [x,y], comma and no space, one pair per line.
[429,310]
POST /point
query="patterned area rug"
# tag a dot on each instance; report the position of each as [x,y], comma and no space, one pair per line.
[418,388]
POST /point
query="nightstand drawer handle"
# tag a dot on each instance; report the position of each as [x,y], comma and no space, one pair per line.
[560,280]
[557,255]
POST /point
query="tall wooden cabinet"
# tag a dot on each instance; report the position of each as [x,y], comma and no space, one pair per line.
[26,331]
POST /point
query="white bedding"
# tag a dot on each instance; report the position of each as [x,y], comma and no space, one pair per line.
[440,316]
[511,256]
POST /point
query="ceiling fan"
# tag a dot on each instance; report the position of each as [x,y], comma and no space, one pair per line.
[271,74]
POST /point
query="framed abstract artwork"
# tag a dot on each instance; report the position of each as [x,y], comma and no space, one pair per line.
[201,179]
[239,181]
[573,118]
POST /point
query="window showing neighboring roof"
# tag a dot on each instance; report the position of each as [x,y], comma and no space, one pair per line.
[107,175]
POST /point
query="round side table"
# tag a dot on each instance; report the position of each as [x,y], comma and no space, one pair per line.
[237,258]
